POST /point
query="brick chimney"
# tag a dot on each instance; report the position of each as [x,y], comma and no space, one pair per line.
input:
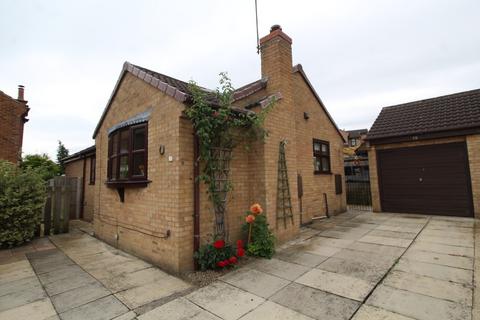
[21,93]
[276,53]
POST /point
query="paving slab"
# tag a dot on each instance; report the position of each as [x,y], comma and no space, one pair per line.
[446,240]
[344,235]
[416,305]
[20,292]
[76,280]
[448,234]
[437,271]
[382,261]
[403,243]
[302,258]
[257,282]
[443,248]
[178,309]
[64,272]
[224,300]
[397,228]
[131,315]
[339,284]
[273,311]
[440,258]
[146,293]
[393,234]
[368,271]
[321,250]
[37,310]
[428,286]
[79,296]
[15,271]
[279,268]
[367,312]
[331,242]
[127,281]
[315,303]
[377,249]
[102,309]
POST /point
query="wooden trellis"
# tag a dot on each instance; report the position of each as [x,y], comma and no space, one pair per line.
[284,202]
[221,172]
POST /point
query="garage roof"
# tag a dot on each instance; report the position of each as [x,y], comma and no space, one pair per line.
[452,112]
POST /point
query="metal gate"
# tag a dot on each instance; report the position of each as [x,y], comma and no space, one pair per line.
[357,180]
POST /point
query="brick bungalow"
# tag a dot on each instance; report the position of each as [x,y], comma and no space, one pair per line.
[82,165]
[147,200]
[425,156]
[13,115]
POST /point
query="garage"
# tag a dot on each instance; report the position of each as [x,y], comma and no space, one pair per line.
[424,156]
[426,179]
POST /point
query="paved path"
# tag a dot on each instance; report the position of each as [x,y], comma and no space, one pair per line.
[368,266]
[352,266]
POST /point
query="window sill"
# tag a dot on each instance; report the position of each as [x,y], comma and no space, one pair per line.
[322,173]
[128,184]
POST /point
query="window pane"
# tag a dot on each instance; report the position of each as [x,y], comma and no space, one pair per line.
[114,143]
[316,146]
[113,165]
[324,148]
[325,165]
[124,137]
[123,167]
[139,138]
[139,164]
[317,164]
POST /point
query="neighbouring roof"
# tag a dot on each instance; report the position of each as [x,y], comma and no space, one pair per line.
[298,68]
[356,133]
[80,154]
[175,88]
[446,113]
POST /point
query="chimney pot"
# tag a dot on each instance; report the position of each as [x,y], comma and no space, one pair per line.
[275,27]
[21,93]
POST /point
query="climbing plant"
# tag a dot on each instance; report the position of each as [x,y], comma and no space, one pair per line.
[220,127]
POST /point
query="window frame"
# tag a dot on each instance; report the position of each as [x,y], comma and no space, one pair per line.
[353,142]
[93,163]
[113,178]
[319,155]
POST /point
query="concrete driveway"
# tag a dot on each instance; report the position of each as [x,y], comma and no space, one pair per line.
[353,266]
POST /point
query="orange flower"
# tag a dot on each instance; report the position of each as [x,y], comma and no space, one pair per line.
[250,218]
[256,209]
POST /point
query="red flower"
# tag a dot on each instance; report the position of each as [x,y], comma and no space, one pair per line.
[221,264]
[226,262]
[256,209]
[219,244]
[239,244]
[233,260]
[240,252]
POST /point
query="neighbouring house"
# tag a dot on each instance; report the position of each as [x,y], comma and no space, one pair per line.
[425,156]
[147,199]
[82,165]
[13,115]
[355,155]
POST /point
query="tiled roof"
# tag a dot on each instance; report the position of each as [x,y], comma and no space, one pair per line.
[445,113]
[175,88]
[80,154]
[356,133]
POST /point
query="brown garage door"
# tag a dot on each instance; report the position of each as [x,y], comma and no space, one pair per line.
[431,179]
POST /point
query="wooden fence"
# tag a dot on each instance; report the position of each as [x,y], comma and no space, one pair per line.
[63,204]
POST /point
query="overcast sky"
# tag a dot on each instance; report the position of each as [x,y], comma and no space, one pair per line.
[359,55]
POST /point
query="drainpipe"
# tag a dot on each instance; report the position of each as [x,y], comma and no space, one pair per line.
[82,196]
[196,197]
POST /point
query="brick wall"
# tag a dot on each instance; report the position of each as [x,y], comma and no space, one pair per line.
[318,126]
[75,169]
[473,146]
[11,129]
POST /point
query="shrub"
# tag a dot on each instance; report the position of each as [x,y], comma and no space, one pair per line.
[218,255]
[261,241]
[22,196]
